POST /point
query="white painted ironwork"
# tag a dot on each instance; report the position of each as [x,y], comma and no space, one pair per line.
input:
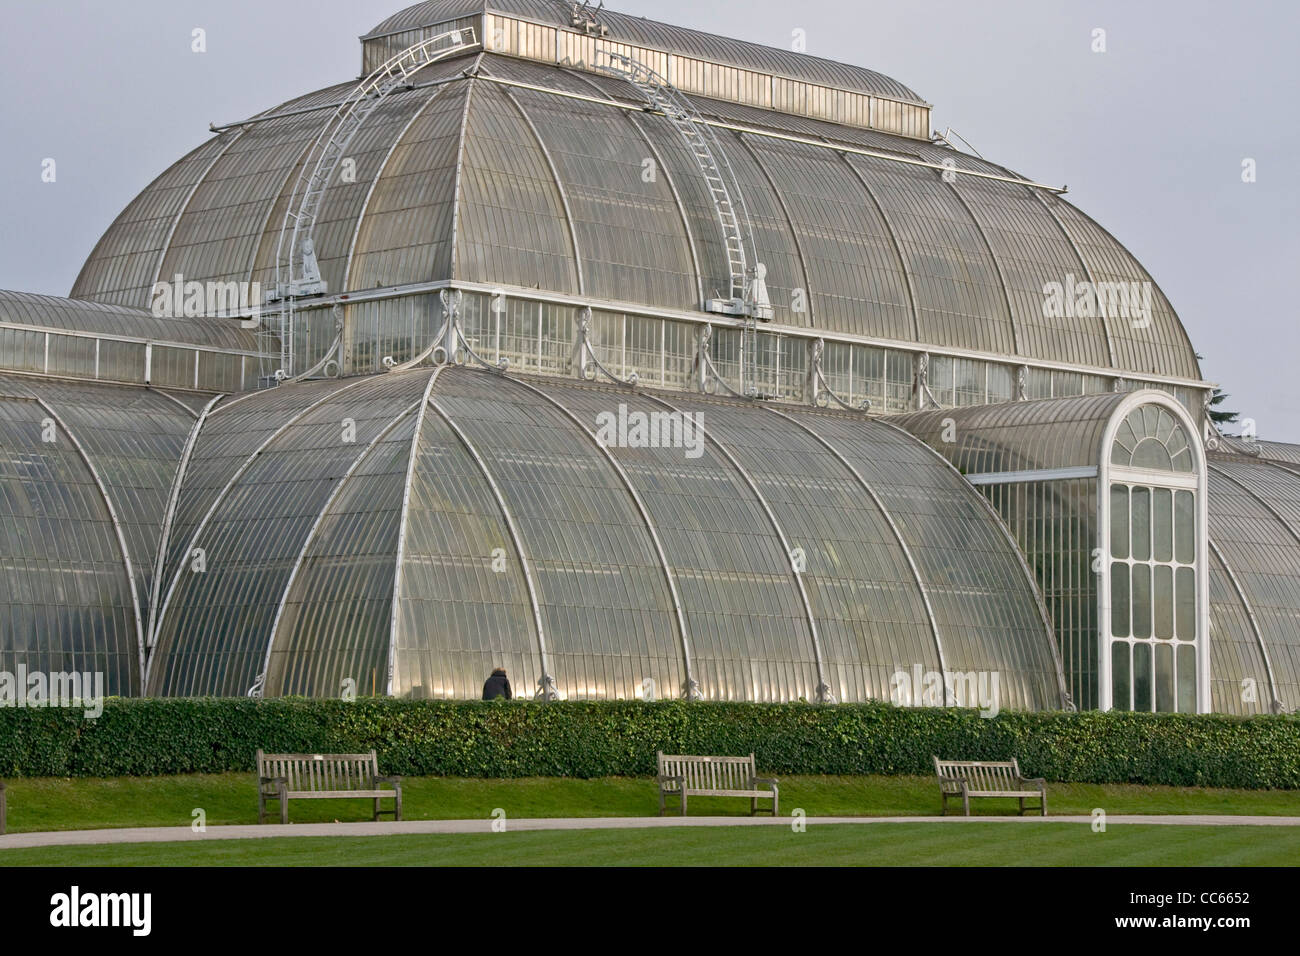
[823,690]
[546,689]
[1043,614]
[402,525]
[585,359]
[1276,705]
[221,496]
[260,684]
[297,272]
[117,528]
[747,292]
[691,687]
[169,516]
[819,390]
[893,527]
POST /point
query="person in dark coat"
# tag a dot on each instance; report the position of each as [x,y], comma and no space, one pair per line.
[498,685]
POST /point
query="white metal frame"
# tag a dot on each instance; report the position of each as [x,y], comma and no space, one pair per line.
[1197,483]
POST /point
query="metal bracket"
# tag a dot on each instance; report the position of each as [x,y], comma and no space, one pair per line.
[455,347]
[259,686]
[707,376]
[819,390]
[584,355]
[924,397]
[546,688]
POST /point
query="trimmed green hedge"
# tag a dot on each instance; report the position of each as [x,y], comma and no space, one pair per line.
[619,738]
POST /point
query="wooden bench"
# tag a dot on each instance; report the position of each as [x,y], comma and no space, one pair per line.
[286,777]
[988,778]
[688,776]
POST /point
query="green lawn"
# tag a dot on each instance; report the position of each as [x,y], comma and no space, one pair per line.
[89,803]
[884,844]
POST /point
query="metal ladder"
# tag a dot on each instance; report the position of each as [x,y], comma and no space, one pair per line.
[724,189]
[297,272]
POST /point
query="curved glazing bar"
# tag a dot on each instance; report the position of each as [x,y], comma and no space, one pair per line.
[66,604]
[824,692]
[223,593]
[1233,664]
[608,612]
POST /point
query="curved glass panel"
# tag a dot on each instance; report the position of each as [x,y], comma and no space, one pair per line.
[65,599]
[1150,437]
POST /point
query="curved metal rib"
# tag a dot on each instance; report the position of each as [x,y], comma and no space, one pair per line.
[677,198]
[172,398]
[117,529]
[893,241]
[1067,702]
[589,363]
[1277,515]
[164,536]
[401,529]
[374,183]
[559,186]
[692,686]
[893,527]
[239,473]
[1254,622]
[794,233]
[184,207]
[997,268]
[460,166]
[824,695]
[1105,322]
[819,390]
[311,536]
[546,684]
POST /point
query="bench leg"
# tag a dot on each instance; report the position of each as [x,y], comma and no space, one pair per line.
[776,801]
[284,807]
[1022,807]
[965,802]
[377,810]
[261,807]
[683,802]
[753,806]
[1042,804]
[943,806]
[398,805]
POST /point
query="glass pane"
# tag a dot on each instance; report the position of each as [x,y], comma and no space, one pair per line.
[1185,594]
[1186,679]
[1162,523]
[1164,601]
[1184,527]
[1119,599]
[1119,521]
[1120,684]
[1141,676]
[1164,677]
[1142,524]
[1141,600]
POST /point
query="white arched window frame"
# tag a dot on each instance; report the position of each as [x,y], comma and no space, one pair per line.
[1195,482]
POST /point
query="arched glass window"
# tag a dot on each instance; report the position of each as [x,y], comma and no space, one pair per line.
[1153,565]
[1150,437]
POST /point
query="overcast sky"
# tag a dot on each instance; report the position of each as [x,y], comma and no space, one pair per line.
[1149,136]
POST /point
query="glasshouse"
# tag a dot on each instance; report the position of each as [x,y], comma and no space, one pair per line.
[642,363]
